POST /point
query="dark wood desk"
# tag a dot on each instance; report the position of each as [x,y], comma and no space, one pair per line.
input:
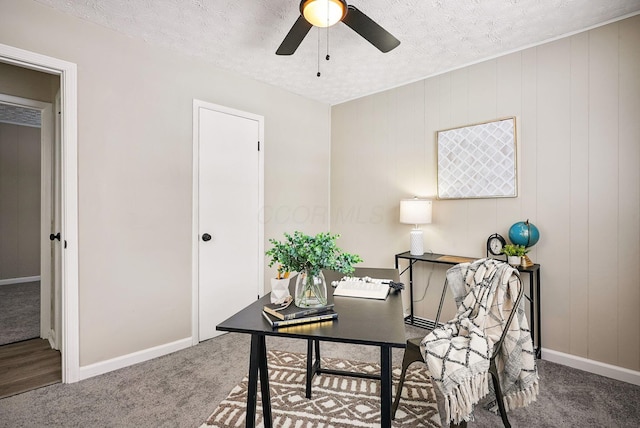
[360,322]
[444,259]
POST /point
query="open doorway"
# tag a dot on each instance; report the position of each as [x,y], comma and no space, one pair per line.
[29,191]
[65,75]
[25,140]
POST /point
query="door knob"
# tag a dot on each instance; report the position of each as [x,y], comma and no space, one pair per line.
[56,236]
[206,237]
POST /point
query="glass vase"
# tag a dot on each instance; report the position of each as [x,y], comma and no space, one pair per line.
[311,290]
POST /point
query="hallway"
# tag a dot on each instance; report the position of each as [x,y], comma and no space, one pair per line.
[28,365]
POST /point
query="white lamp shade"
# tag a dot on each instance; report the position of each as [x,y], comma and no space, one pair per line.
[323,13]
[415,211]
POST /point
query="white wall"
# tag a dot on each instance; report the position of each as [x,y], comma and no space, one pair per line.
[19,201]
[577,103]
[577,107]
[134,172]
[19,181]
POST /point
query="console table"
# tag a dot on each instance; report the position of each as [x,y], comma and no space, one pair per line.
[444,259]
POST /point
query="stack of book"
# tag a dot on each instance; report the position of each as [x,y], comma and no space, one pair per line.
[280,316]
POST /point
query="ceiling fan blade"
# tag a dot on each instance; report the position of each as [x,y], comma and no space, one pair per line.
[294,37]
[370,30]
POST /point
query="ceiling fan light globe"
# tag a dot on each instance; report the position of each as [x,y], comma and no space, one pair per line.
[323,13]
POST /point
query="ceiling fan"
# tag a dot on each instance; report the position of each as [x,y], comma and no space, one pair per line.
[325,13]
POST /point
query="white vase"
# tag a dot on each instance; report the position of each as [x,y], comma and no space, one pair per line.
[279,290]
[514,260]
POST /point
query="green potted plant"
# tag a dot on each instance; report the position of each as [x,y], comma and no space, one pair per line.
[514,253]
[308,255]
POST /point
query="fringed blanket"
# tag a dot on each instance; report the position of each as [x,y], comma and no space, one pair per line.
[458,352]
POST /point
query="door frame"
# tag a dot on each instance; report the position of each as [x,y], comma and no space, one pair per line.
[67,71]
[46,157]
[195,235]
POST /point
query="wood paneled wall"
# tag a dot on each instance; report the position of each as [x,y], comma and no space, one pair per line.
[577,107]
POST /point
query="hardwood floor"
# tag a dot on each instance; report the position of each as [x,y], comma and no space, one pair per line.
[28,365]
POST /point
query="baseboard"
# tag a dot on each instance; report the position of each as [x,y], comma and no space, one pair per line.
[51,337]
[592,366]
[9,281]
[134,358]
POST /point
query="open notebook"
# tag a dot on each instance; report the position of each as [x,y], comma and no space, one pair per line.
[367,288]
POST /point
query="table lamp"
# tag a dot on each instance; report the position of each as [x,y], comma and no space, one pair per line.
[416,211]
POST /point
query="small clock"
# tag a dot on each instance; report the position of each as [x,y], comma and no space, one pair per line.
[495,243]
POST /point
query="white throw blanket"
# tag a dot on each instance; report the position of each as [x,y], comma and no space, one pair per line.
[458,352]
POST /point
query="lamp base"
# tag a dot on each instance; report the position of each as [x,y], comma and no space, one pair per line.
[417,243]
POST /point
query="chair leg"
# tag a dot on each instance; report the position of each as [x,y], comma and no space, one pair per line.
[499,397]
[411,355]
[396,401]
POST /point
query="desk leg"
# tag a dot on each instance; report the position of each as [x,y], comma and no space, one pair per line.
[313,365]
[264,384]
[258,363]
[385,386]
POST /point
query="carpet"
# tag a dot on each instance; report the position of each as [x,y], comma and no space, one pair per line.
[337,401]
[19,312]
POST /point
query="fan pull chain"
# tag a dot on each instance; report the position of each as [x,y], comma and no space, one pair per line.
[327,57]
[318,53]
[327,27]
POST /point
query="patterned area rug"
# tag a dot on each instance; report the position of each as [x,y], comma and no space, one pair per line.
[337,401]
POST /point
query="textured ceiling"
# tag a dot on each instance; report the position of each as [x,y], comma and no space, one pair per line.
[435,35]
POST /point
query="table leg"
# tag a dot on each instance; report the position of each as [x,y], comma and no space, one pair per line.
[252,387]
[264,384]
[310,372]
[313,365]
[411,289]
[385,386]
[538,329]
[532,313]
[258,363]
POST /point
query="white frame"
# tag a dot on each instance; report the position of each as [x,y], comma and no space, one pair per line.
[70,346]
[478,160]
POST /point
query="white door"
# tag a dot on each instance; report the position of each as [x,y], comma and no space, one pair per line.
[59,241]
[229,199]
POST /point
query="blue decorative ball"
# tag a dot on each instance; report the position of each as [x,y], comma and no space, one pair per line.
[524,233]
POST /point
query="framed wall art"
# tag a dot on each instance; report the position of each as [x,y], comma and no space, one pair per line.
[478,161]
